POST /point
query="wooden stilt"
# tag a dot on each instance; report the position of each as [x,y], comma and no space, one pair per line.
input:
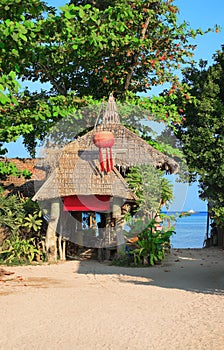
[51,240]
[64,249]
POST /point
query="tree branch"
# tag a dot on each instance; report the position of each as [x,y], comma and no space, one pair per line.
[136,55]
[52,80]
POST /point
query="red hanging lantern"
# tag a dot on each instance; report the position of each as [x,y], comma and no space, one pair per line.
[105,139]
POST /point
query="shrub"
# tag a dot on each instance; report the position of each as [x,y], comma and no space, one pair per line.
[17,251]
[21,225]
[151,244]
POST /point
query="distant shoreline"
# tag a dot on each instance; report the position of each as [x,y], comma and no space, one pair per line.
[183,211]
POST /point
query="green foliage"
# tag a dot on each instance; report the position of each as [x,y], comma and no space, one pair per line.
[22,223]
[202,130]
[152,243]
[166,192]
[16,250]
[87,49]
[120,43]
[146,183]
[10,169]
[33,221]
[153,191]
[218,215]
[11,213]
[122,259]
[151,188]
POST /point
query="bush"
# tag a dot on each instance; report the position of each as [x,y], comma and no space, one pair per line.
[18,251]
[123,259]
[21,225]
[152,243]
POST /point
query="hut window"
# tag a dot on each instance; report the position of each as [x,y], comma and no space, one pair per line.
[88,220]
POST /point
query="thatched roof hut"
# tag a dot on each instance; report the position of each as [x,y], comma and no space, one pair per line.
[87,179]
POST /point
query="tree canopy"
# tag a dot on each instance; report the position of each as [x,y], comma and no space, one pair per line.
[202,128]
[89,48]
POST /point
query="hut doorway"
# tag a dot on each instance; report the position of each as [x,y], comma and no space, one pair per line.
[89,227]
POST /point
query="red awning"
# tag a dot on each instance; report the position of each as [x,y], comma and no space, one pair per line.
[87,203]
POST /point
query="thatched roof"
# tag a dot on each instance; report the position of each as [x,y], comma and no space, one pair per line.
[84,179]
[77,169]
[129,149]
[13,184]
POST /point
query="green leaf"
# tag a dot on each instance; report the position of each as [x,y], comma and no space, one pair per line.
[15,52]
[68,15]
[23,37]
[87,6]
[81,13]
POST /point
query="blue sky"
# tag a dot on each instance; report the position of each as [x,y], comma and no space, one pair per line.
[204,14]
[199,14]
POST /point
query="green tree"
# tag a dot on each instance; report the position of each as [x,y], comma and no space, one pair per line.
[151,188]
[87,49]
[202,128]
[153,191]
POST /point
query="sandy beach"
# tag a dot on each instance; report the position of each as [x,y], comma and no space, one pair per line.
[92,305]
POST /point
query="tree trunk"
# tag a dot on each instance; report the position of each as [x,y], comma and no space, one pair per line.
[64,249]
[51,240]
[220,237]
[120,241]
[60,247]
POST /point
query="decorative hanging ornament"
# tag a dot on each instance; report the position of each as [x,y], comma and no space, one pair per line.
[105,139]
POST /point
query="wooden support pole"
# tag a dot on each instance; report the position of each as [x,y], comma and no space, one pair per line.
[51,239]
[120,240]
[60,247]
[64,249]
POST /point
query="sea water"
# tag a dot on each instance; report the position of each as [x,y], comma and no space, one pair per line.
[190,231]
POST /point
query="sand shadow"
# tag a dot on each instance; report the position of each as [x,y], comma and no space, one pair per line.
[182,271]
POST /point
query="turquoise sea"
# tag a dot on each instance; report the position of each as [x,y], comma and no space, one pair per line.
[190,231]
